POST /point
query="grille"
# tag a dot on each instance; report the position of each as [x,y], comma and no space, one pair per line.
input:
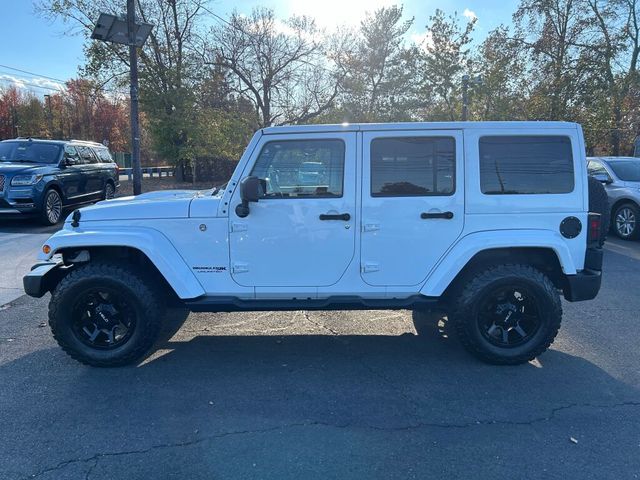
[1,183]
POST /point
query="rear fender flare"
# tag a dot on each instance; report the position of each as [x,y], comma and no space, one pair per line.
[468,246]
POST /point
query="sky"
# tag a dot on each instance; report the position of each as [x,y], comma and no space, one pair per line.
[53,49]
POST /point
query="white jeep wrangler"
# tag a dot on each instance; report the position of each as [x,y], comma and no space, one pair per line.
[487,221]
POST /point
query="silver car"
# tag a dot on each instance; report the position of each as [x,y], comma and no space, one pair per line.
[621,179]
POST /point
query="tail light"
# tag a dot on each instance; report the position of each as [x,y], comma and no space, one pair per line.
[595,229]
[117,170]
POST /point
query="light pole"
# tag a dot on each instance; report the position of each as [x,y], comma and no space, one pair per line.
[110,28]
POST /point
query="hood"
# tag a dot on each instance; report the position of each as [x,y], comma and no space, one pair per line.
[17,167]
[161,204]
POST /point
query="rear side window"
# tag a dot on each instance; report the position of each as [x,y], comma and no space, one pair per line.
[103,155]
[302,168]
[525,164]
[87,155]
[412,166]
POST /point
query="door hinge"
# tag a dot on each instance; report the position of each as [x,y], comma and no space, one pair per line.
[370,227]
[370,267]
[239,227]
[240,268]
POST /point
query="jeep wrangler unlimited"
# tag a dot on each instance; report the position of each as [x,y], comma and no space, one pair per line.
[488,221]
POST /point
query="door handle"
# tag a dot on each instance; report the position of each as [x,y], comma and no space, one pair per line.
[444,215]
[328,216]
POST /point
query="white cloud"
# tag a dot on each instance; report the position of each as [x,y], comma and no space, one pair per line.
[333,13]
[37,85]
[469,14]
[422,40]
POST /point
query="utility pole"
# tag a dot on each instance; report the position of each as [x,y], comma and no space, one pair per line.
[135,120]
[126,31]
[47,99]
[465,97]
[465,93]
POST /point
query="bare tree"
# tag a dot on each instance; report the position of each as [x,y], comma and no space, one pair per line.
[279,66]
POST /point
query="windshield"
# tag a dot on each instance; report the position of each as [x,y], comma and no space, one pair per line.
[626,170]
[29,152]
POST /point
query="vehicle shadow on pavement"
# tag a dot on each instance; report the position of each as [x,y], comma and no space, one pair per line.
[321,404]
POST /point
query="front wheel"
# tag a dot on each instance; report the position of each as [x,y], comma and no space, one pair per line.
[507,314]
[105,315]
[51,208]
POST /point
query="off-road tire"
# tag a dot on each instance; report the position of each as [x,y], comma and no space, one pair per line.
[635,234]
[599,203]
[139,290]
[464,310]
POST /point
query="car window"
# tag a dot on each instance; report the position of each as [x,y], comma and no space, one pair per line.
[103,155]
[71,155]
[86,155]
[412,166]
[301,168]
[526,164]
[626,170]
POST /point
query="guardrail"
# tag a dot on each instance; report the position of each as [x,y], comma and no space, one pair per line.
[150,171]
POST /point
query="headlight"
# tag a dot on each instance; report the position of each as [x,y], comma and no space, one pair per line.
[23,180]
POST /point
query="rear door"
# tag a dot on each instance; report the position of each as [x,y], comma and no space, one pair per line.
[93,171]
[412,203]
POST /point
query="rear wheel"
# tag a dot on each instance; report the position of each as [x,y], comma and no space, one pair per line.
[106,315]
[51,208]
[507,314]
[109,191]
[625,221]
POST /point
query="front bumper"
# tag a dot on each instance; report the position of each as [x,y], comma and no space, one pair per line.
[42,278]
[585,285]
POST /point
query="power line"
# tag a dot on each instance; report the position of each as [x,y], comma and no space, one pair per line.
[34,74]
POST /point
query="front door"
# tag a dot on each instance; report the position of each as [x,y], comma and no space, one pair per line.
[302,234]
[412,203]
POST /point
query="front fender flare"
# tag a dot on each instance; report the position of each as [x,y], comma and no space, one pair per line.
[464,250]
[149,241]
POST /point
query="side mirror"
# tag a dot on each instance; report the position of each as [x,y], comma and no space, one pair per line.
[69,161]
[251,190]
[602,177]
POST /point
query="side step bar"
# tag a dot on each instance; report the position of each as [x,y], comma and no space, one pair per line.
[234,304]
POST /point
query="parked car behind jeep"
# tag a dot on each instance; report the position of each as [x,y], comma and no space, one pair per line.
[45,177]
[621,179]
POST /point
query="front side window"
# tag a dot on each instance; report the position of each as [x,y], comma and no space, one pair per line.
[525,164]
[412,166]
[301,168]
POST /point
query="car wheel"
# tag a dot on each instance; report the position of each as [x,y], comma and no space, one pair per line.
[51,208]
[106,315]
[625,221]
[507,314]
[109,191]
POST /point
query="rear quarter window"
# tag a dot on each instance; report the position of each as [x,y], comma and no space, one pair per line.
[526,164]
[103,155]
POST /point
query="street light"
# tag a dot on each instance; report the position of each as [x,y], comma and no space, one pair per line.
[125,31]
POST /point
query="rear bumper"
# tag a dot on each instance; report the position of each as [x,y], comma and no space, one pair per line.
[585,285]
[41,279]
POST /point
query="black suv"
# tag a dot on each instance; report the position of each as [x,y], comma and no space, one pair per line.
[44,177]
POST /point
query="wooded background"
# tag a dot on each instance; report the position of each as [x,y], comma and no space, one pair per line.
[207,82]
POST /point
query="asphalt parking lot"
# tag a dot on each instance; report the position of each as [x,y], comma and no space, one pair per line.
[329,395]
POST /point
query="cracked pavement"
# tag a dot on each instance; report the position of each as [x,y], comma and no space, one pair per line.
[329,395]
